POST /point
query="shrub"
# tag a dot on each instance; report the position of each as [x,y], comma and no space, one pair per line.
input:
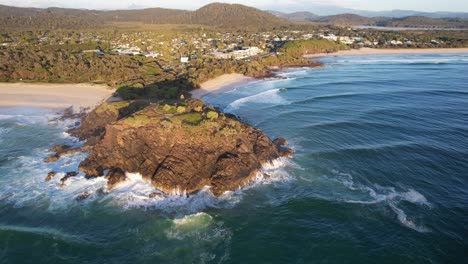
[180,109]
[212,115]
[128,93]
[169,109]
[166,108]
[192,119]
[138,120]
[172,93]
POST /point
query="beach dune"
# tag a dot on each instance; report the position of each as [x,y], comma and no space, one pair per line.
[56,96]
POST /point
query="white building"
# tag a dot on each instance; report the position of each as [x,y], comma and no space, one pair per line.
[329,37]
[129,51]
[245,52]
[152,54]
[346,40]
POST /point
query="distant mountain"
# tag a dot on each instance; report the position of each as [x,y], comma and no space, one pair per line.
[216,14]
[148,15]
[330,10]
[18,11]
[301,16]
[425,22]
[346,20]
[406,13]
[235,15]
[357,20]
[12,18]
[229,16]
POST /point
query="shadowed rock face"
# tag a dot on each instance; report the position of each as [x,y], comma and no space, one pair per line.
[179,149]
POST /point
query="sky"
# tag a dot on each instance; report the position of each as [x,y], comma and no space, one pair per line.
[279,5]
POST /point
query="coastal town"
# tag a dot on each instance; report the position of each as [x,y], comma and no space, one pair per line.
[186,46]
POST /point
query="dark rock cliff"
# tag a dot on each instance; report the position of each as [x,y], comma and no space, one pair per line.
[179,148]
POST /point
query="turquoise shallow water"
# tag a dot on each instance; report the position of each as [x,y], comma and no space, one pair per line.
[379,176]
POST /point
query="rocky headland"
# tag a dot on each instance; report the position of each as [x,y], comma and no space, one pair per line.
[180,147]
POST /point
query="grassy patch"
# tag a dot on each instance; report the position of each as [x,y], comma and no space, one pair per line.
[112,107]
[192,119]
[138,120]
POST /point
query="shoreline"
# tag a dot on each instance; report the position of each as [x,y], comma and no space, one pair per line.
[372,51]
[220,83]
[227,81]
[53,95]
[88,95]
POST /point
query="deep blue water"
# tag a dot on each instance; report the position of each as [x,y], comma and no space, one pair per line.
[380,176]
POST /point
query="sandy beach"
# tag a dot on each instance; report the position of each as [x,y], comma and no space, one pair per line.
[56,96]
[371,51]
[222,82]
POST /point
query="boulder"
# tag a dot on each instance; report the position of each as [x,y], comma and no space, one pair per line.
[67,176]
[115,176]
[50,175]
[51,158]
[82,196]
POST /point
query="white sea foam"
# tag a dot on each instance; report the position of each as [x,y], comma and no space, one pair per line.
[135,192]
[201,229]
[386,195]
[4,117]
[28,187]
[296,72]
[403,218]
[197,219]
[3,132]
[267,97]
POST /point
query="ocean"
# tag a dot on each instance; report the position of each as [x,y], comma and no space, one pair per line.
[380,175]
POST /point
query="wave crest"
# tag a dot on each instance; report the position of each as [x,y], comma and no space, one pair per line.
[267,97]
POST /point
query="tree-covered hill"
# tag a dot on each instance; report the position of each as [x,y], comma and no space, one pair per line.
[216,14]
[345,20]
[426,22]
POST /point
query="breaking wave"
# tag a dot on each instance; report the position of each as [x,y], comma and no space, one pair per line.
[272,97]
